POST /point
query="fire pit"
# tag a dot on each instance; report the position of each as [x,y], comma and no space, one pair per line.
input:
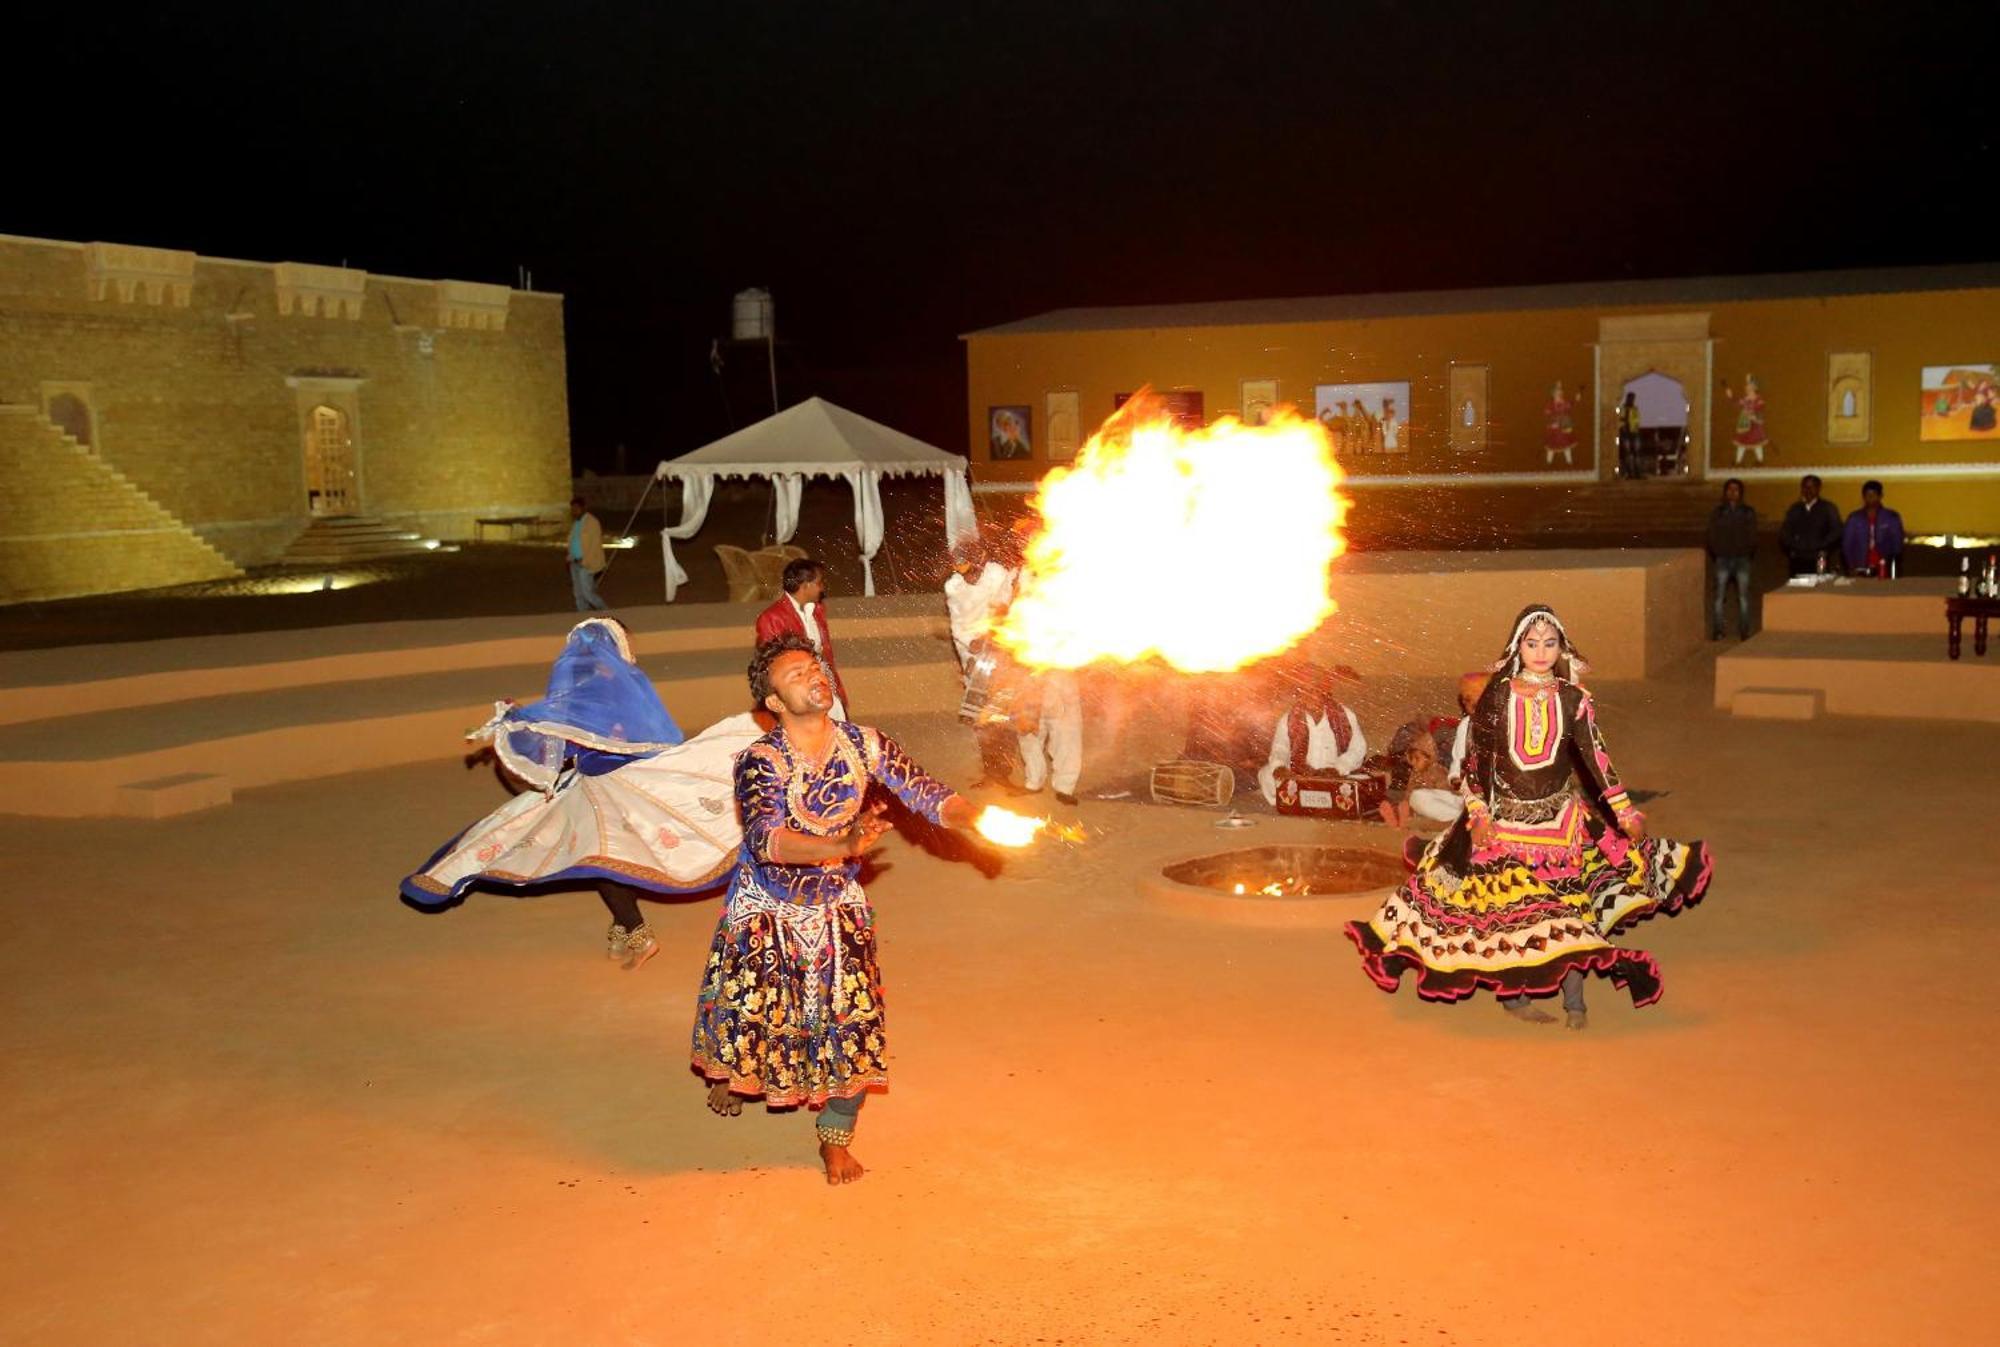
[1284,885]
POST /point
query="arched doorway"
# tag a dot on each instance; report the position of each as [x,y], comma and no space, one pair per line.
[330,476]
[71,414]
[1664,414]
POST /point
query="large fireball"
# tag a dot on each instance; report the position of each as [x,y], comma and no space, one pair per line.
[1206,548]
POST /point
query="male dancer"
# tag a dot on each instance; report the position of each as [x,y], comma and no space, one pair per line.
[790,1006]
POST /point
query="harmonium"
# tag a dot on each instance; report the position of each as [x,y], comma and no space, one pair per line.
[1316,795]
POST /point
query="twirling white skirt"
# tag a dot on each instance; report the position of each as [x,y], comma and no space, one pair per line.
[666,823]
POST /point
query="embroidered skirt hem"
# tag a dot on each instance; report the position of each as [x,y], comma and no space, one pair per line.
[1634,970]
[790,1006]
[1515,928]
[716,1073]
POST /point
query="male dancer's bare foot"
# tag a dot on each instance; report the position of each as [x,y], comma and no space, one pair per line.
[721,1102]
[841,1166]
[1527,1012]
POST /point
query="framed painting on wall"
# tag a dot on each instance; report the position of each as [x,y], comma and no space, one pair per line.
[1365,418]
[1260,399]
[1466,401]
[1183,406]
[1007,433]
[1961,402]
[1065,426]
[1850,396]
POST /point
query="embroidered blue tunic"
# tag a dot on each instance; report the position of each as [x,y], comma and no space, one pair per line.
[790,1005]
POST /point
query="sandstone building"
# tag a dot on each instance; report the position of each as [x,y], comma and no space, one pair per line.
[166,417]
[1890,374]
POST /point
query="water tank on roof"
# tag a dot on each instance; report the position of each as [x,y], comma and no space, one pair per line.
[751,317]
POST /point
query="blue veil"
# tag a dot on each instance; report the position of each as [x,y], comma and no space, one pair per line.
[597,699]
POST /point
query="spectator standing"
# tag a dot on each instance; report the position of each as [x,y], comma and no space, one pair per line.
[801,611]
[1811,530]
[1732,544]
[1873,541]
[586,557]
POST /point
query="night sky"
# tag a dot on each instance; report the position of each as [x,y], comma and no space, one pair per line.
[899,174]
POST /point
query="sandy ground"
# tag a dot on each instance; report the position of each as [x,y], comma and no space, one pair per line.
[251,1098]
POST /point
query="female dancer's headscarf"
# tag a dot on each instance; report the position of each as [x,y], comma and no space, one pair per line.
[1570,664]
[1489,714]
[597,699]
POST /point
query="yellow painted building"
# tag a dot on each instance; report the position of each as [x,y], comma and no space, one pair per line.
[1840,361]
[166,417]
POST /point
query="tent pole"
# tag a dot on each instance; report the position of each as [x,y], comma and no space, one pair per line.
[626,532]
[771,357]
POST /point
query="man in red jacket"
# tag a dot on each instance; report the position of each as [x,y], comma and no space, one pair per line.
[801,610]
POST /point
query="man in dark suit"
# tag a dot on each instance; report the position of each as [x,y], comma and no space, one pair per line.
[801,611]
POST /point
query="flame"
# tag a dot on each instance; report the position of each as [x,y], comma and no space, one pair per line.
[1205,548]
[1005,828]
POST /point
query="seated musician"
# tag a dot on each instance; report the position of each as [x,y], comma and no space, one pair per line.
[1317,735]
[1419,782]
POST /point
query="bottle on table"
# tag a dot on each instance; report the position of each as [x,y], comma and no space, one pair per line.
[1964,576]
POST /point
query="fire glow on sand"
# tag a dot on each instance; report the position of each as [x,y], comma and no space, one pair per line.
[1235,526]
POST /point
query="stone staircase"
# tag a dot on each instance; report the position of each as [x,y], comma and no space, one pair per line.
[71,524]
[351,539]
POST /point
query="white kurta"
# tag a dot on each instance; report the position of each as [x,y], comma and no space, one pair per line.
[970,604]
[1458,742]
[1322,751]
[1441,805]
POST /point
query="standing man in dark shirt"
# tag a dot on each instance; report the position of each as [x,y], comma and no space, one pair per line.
[1811,531]
[1732,542]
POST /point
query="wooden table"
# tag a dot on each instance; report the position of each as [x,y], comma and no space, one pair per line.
[1961,606]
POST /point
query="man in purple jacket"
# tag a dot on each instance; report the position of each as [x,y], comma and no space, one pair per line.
[1873,540]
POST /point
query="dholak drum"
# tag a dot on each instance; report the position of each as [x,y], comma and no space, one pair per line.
[993,685]
[1185,781]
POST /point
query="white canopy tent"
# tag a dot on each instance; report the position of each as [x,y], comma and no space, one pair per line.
[815,439]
